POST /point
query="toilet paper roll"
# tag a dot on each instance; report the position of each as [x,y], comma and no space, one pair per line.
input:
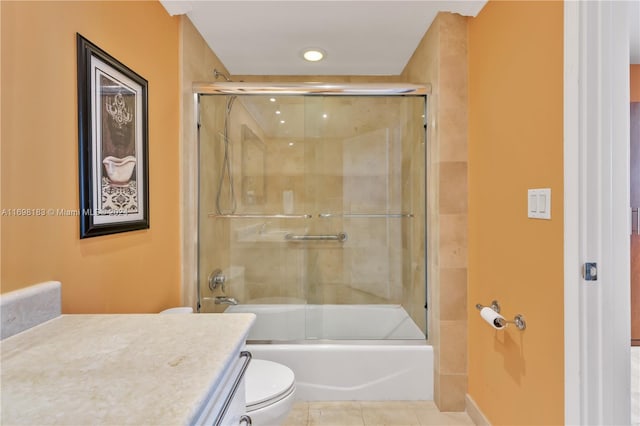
[493,318]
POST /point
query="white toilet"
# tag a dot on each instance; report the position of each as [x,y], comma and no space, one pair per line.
[269,387]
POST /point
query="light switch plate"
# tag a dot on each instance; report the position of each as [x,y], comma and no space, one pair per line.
[539,203]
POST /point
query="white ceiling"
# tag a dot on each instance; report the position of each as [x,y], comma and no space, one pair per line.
[360,37]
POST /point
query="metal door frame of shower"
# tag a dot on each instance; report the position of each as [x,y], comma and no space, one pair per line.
[313,89]
[310,89]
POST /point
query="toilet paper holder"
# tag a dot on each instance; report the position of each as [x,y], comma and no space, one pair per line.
[518,320]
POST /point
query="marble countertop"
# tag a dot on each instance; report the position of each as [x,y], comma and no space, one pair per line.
[117,369]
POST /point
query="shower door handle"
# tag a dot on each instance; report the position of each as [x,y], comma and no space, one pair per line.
[340,237]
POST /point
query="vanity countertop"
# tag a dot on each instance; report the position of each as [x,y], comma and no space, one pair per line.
[117,369]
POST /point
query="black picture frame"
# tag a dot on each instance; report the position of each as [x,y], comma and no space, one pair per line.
[113,144]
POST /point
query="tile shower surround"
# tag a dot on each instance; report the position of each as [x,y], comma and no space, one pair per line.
[439,60]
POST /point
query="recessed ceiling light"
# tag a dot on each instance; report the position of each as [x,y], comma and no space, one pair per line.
[324,115]
[313,55]
[272,99]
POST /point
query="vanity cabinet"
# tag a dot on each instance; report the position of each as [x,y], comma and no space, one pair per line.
[227,406]
[127,369]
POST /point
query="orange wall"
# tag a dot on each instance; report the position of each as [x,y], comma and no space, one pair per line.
[635,83]
[516,143]
[129,272]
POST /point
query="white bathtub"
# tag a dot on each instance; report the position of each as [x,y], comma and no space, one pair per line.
[345,352]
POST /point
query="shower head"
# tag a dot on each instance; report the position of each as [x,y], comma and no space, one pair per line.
[217,74]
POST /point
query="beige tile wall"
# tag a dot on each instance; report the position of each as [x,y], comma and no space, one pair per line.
[441,59]
[197,64]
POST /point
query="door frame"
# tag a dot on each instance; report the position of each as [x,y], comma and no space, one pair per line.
[596,212]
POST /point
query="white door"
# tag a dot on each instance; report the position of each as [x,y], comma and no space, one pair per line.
[597,215]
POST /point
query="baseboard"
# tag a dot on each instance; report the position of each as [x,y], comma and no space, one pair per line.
[474,412]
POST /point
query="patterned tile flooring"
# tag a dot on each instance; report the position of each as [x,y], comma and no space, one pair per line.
[366,413]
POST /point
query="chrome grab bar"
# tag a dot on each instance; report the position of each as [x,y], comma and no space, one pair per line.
[365,215]
[341,237]
[309,216]
[234,388]
[262,216]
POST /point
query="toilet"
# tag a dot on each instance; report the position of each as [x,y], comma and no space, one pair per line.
[269,387]
[270,390]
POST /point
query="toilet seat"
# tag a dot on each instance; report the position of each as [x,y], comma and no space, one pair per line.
[267,383]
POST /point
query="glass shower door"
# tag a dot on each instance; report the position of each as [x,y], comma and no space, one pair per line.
[359,159]
[328,224]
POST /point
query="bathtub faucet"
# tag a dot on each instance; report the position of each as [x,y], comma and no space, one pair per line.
[224,300]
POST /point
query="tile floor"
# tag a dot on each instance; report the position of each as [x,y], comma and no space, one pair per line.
[412,413]
[366,413]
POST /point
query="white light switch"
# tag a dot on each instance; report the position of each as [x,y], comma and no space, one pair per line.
[533,203]
[542,203]
[539,203]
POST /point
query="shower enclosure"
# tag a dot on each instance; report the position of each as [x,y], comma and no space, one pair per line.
[312,202]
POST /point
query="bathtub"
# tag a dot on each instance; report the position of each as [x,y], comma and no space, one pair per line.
[345,352]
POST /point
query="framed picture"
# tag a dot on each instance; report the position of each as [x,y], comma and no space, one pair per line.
[113,144]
